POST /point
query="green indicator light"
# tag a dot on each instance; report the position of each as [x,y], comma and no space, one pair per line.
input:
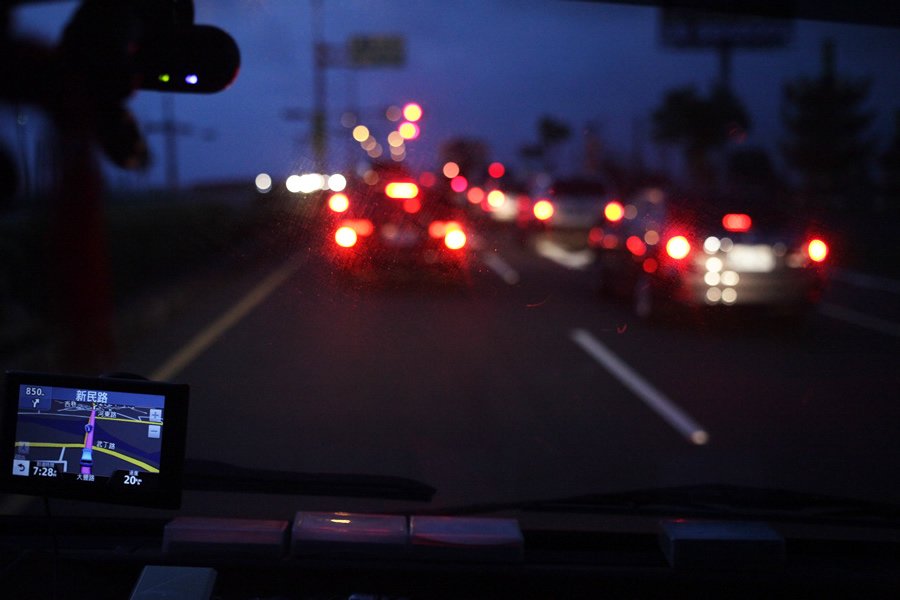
[164,78]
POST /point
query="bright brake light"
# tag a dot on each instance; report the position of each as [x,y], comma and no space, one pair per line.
[736,222]
[451,231]
[817,250]
[614,211]
[455,239]
[678,247]
[401,190]
[339,203]
[496,199]
[543,210]
[345,237]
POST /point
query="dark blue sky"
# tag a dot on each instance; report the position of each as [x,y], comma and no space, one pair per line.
[487,69]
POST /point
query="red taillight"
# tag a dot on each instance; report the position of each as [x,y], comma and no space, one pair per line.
[412,205]
[437,229]
[496,170]
[459,184]
[736,222]
[817,250]
[339,203]
[678,247]
[401,190]
[475,195]
[614,211]
[636,245]
[543,210]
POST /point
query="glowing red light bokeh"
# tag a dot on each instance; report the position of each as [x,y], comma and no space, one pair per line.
[459,184]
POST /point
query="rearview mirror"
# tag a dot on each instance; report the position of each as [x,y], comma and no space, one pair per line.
[196,59]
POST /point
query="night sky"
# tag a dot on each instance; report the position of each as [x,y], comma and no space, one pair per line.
[487,69]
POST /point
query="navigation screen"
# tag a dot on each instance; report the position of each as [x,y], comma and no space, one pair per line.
[106,439]
[88,434]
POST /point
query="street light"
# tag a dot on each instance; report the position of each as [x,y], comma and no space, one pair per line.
[412,112]
[408,130]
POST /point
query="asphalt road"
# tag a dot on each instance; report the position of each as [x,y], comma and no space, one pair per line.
[523,383]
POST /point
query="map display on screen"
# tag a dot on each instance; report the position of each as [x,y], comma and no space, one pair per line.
[116,440]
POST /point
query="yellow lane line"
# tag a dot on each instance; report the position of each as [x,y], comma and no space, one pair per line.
[119,455]
[206,338]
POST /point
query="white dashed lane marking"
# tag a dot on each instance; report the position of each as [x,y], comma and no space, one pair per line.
[640,387]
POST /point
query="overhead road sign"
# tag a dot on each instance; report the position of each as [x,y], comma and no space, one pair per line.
[686,28]
[376,51]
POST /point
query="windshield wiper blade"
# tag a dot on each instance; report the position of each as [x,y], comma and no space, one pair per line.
[710,501]
[211,475]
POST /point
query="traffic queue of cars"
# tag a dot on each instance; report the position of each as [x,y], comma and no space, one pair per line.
[396,227]
[668,250]
[572,203]
[663,249]
[659,249]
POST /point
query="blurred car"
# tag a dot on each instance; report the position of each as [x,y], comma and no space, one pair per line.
[573,203]
[570,205]
[694,250]
[396,226]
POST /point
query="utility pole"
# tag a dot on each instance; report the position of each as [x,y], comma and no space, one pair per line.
[725,32]
[320,61]
[362,51]
[171,129]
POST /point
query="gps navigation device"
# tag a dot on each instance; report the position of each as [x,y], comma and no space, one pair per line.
[103,439]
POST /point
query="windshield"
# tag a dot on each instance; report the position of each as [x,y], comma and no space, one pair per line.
[346,256]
